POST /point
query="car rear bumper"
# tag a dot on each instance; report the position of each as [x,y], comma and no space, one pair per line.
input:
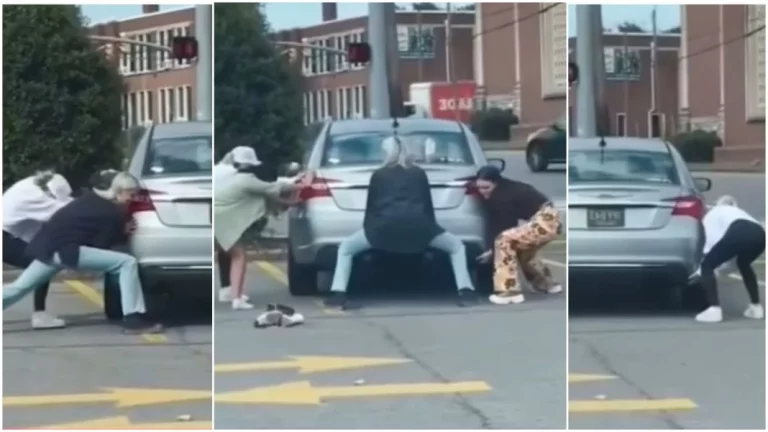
[181,279]
[172,249]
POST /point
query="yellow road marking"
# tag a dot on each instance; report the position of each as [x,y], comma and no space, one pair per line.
[582,378]
[304,393]
[97,299]
[310,364]
[121,397]
[606,406]
[279,275]
[122,422]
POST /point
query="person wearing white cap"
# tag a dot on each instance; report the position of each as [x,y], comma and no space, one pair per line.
[27,205]
[240,200]
[731,234]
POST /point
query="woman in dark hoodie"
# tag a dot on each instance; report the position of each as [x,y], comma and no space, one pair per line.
[400,218]
[507,202]
[80,236]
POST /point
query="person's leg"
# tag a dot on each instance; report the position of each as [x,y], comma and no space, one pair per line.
[506,283]
[351,246]
[31,278]
[537,272]
[225,268]
[720,253]
[14,253]
[753,236]
[542,229]
[451,245]
[238,266]
[131,292]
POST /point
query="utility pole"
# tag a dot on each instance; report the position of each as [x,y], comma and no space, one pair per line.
[448,43]
[420,41]
[379,78]
[204,67]
[654,47]
[585,88]
[624,63]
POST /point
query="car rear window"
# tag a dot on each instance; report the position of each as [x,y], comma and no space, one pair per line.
[366,148]
[187,156]
[634,166]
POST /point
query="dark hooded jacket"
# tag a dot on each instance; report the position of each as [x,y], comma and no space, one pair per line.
[399,215]
[509,202]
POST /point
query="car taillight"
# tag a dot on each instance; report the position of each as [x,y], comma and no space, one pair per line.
[142,202]
[689,206]
[318,189]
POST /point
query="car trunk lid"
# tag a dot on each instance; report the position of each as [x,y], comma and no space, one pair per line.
[179,201]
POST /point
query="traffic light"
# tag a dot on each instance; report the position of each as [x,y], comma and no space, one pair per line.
[358,52]
[184,47]
[573,73]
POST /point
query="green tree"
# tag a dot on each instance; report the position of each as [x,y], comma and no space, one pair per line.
[424,6]
[61,97]
[629,27]
[257,90]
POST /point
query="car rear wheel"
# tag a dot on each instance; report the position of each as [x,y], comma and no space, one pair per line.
[536,157]
[302,279]
[694,298]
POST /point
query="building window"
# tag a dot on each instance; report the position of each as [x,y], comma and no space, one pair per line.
[621,124]
[656,125]
[348,107]
[358,103]
[124,110]
[150,106]
[328,104]
[190,106]
[183,114]
[132,110]
[364,92]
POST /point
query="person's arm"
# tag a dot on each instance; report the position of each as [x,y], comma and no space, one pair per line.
[373,192]
[426,191]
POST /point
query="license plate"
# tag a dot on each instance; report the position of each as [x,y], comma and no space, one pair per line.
[605,218]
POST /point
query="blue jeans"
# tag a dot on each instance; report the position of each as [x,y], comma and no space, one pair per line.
[358,243]
[91,259]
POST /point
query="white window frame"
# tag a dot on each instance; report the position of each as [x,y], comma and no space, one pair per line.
[662,124]
[619,117]
[181,104]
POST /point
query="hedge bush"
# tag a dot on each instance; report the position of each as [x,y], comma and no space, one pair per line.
[493,124]
[697,146]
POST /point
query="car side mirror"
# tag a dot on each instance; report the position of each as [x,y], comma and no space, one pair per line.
[499,163]
[703,184]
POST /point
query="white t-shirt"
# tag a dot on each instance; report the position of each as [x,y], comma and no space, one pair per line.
[718,220]
[26,207]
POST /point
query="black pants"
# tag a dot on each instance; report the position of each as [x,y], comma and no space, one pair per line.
[225,263]
[14,254]
[745,241]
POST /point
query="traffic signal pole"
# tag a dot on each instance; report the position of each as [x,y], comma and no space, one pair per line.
[378,87]
[585,57]
[204,67]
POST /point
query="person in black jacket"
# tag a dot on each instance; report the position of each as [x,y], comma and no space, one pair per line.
[79,236]
[400,218]
[506,203]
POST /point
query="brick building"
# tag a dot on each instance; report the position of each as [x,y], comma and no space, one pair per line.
[722,76]
[158,89]
[334,88]
[521,58]
[628,90]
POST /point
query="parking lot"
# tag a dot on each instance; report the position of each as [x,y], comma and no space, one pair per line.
[402,362]
[633,367]
[90,376]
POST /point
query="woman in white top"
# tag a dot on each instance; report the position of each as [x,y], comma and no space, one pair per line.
[731,233]
[27,205]
[241,199]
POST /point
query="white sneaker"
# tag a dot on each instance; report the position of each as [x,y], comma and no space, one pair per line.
[225,294]
[293,320]
[557,289]
[240,303]
[44,320]
[505,300]
[712,314]
[755,311]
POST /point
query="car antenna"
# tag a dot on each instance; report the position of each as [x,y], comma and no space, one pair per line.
[395,125]
[601,143]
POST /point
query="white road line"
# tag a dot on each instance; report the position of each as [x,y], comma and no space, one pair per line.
[737,277]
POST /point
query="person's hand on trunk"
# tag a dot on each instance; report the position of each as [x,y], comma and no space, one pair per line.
[484,257]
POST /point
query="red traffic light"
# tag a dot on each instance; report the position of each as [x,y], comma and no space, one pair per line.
[184,47]
[358,52]
[573,73]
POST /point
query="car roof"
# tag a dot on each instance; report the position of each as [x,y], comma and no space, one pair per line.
[181,129]
[654,145]
[385,125]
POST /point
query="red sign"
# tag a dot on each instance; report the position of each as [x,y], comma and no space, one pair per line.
[453,101]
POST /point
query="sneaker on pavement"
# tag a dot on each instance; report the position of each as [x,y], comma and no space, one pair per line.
[271,318]
[754,311]
[467,297]
[43,320]
[292,320]
[225,294]
[556,289]
[505,299]
[241,304]
[336,300]
[136,324]
[713,314]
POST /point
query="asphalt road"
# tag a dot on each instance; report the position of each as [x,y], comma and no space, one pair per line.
[747,188]
[404,361]
[663,370]
[90,376]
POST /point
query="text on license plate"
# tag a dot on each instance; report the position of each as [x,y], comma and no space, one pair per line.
[605,217]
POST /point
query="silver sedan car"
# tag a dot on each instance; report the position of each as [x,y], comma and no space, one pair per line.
[172,242]
[345,155]
[635,213]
